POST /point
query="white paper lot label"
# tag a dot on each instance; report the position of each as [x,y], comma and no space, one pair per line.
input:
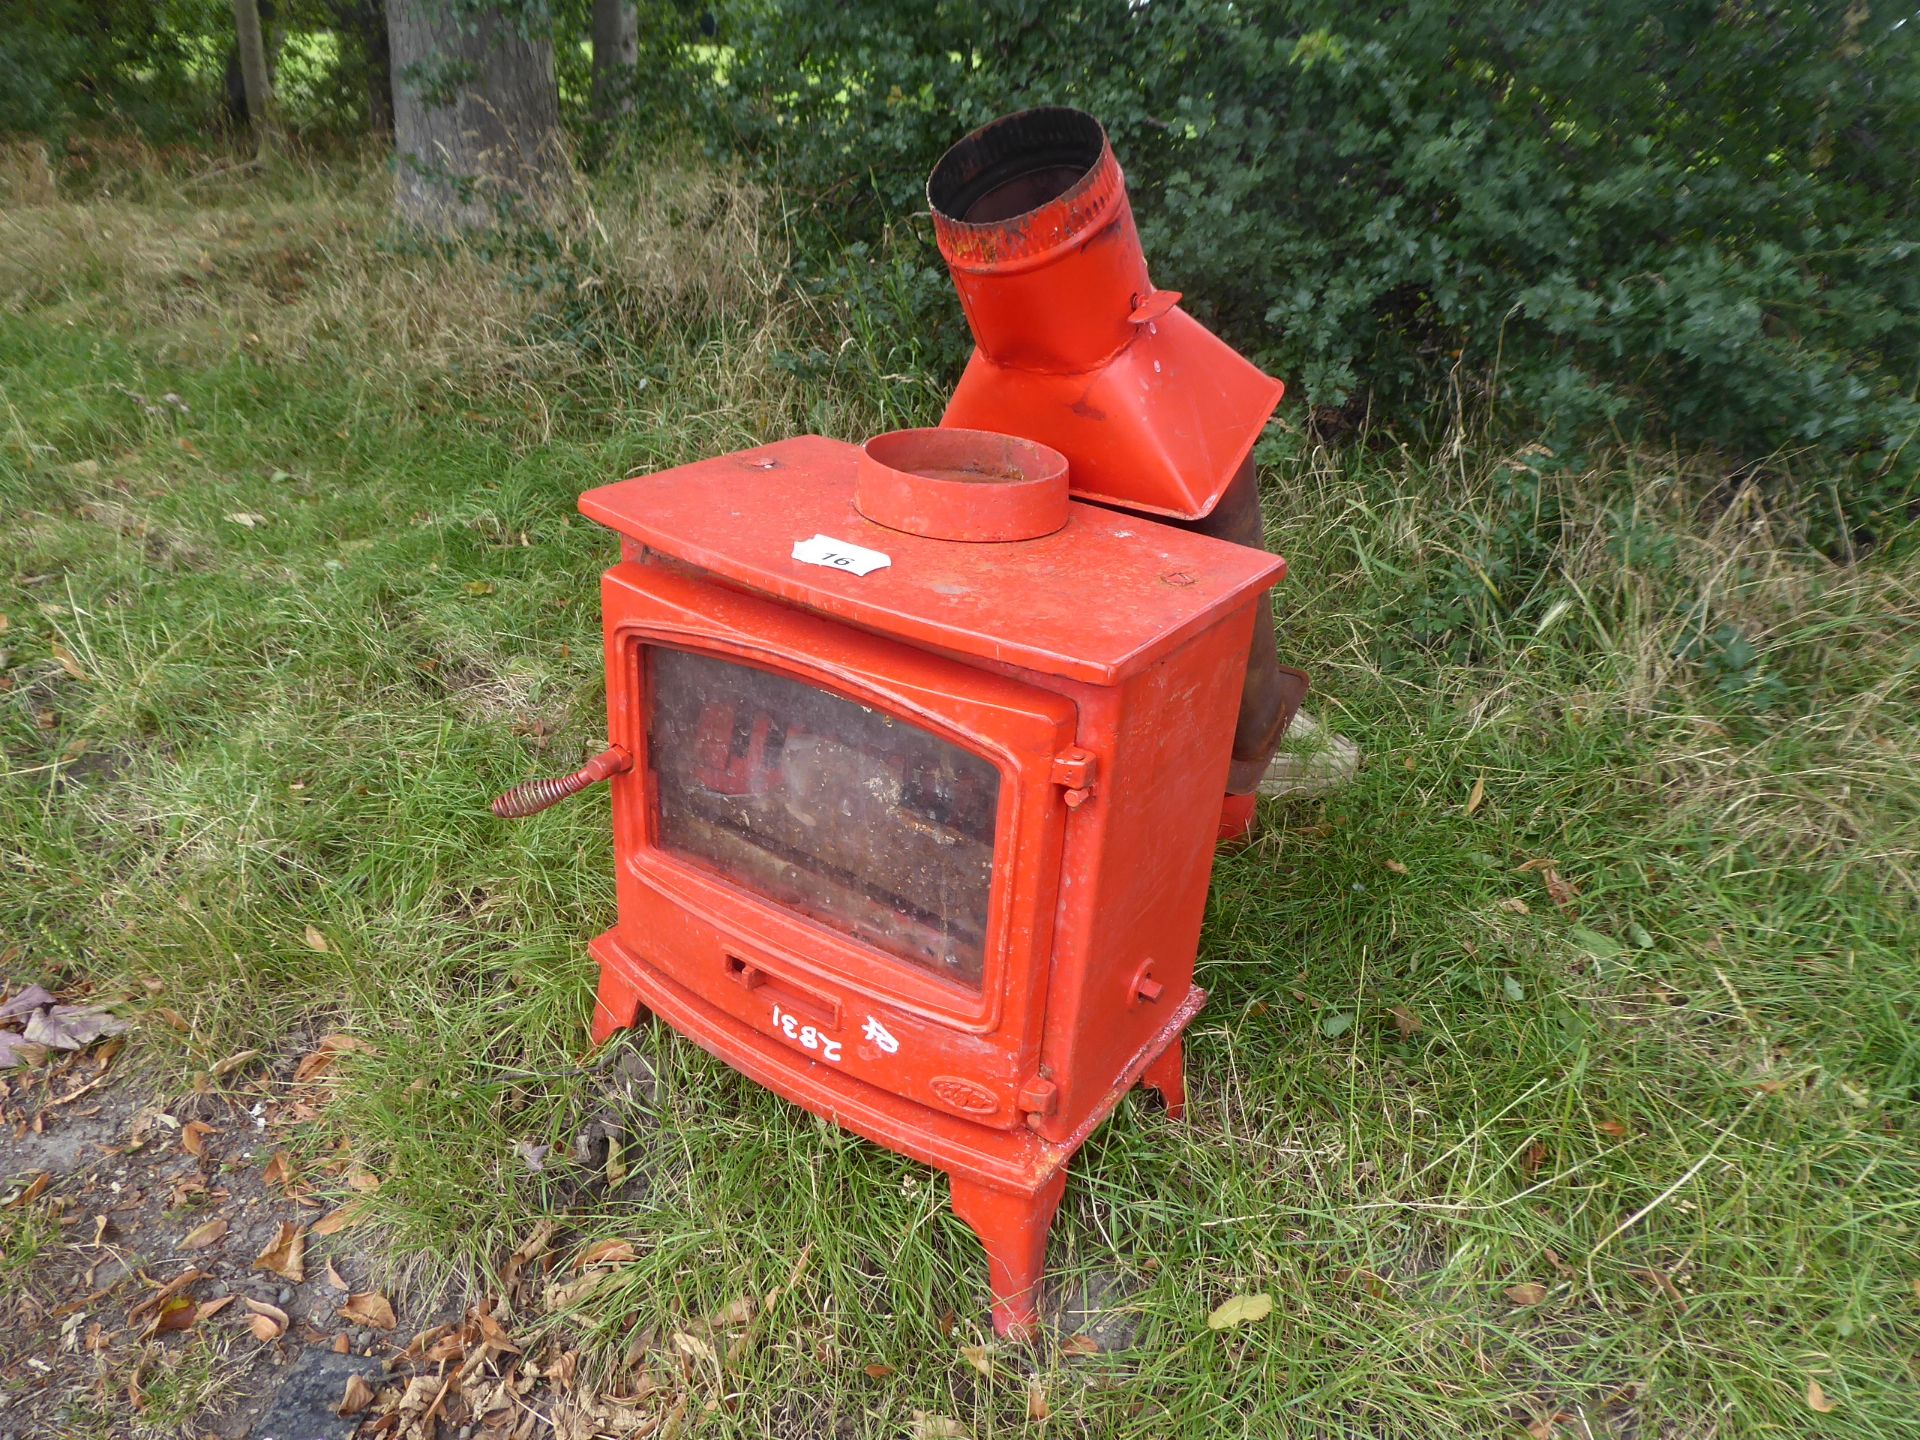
[840,555]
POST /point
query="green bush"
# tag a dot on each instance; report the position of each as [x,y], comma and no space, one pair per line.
[1692,218]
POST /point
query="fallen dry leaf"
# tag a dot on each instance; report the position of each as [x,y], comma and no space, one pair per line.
[223,1068]
[313,1065]
[193,1137]
[333,1222]
[1367,1280]
[606,1252]
[694,1347]
[67,662]
[315,940]
[1476,795]
[928,1426]
[877,1371]
[1817,1399]
[70,1027]
[278,1171]
[29,1191]
[333,1278]
[1612,1127]
[1038,1406]
[209,1308]
[1661,1281]
[207,1232]
[359,1395]
[1405,1021]
[285,1254]
[1079,1345]
[14,1051]
[175,1314]
[369,1308]
[1514,905]
[567,1296]
[34,997]
[492,1334]
[165,1293]
[1527,1293]
[1562,892]
[1396,867]
[977,1357]
[267,1322]
[1240,1310]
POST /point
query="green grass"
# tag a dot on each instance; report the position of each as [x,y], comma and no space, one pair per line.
[1685,1106]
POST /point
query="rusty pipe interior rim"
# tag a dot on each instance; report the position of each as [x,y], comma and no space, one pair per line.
[1024,183]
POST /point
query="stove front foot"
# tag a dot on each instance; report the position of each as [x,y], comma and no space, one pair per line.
[616,1007]
[1166,1074]
[1012,1226]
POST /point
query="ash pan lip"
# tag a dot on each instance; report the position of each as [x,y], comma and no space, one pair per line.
[1022,184]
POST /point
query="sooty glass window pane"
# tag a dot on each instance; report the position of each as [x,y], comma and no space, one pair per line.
[850,815]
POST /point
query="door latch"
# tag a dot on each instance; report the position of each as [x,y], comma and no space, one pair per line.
[1074,771]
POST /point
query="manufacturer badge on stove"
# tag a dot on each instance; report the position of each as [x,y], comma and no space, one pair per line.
[963,1094]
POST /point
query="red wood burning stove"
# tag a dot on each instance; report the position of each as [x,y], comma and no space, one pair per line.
[916,769]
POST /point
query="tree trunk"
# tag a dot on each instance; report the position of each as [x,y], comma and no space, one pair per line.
[616,49]
[476,114]
[366,21]
[253,74]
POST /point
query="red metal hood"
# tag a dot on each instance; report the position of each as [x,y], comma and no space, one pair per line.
[1074,347]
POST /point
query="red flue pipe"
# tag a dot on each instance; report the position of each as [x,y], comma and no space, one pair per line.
[1074,347]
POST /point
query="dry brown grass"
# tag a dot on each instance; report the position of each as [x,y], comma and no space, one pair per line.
[308,266]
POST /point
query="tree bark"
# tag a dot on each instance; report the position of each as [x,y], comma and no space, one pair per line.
[253,73]
[616,50]
[379,72]
[476,114]
[366,22]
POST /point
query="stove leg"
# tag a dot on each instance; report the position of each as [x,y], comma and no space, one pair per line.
[616,1007]
[1167,1074]
[1013,1228]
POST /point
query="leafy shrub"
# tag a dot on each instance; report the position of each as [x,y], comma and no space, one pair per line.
[1693,217]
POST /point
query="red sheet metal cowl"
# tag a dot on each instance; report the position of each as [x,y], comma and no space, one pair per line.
[1074,347]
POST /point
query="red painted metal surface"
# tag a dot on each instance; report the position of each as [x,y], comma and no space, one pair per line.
[949,484]
[924,850]
[1074,347]
[1096,600]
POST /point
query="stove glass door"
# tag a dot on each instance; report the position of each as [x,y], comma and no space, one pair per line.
[858,818]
